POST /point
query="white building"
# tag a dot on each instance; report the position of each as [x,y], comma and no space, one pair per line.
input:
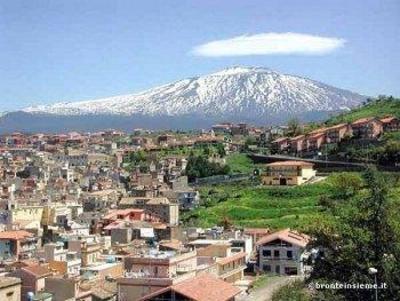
[282,253]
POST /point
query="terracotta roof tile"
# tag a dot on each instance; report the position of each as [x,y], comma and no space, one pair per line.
[388,119]
[290,163]
[288,235]
[231,258]
[206,287]
[363,120]
[38,270]
[15,235]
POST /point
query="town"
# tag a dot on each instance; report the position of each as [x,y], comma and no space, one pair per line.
[108,215]
[199,150]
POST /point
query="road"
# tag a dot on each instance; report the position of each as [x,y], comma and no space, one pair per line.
[265,292]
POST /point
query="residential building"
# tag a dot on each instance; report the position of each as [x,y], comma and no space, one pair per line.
[55,251]
[154,270]
[18,244]
[200,288]
[280,144]
[282,253]
[33,278]
[367,128]
[71,266]
[298,144]
[288,173]
[10,289]
[315,141]
[63,288]
[166,210]
[231,268]
[390,124]
[336,133]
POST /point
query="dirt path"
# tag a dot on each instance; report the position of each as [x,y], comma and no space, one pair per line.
[265,292]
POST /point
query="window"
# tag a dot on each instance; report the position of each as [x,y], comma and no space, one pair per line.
[289,254]
[267,268]
[266,253]
[276,253]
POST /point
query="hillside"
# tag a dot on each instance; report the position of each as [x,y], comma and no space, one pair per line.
[254,206]
[380,107]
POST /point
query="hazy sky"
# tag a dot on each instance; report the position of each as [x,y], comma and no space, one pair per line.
[68,50]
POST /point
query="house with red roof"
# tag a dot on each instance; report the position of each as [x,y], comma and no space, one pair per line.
[288,173]
[367,128]
[33,278]
[336,133]
[204,287]
[390,124]
[17,244]
[315,141]
[282,252]
[298,144]
[280,144]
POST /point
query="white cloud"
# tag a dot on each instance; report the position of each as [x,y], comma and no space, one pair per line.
[270,44]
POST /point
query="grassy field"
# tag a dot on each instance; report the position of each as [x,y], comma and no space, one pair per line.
[247,205]
[240,163]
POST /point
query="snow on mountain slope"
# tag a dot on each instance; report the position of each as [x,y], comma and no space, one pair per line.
[237,91]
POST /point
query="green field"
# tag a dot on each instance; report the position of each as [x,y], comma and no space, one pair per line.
[247,204]
[240,163]
[250,205]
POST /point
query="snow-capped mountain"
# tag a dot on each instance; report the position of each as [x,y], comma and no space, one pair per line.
[234,91]
[250,94]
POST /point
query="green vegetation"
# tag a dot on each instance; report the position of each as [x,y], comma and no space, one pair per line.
[294,128]
[358,234]
[197,150]
[386,150]
[136,159]
[200,167]
[245,204]
[380,107]
[294,291]
[263,280]
[240,163]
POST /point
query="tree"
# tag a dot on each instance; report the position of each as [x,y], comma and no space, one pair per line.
[250,141]
[200,167]
[220,150]
[346,184]
[294,127]
[362,233]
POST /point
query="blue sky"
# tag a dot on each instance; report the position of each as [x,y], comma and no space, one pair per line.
[84,49]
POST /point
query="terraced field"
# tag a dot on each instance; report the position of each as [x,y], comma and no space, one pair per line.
[251,205]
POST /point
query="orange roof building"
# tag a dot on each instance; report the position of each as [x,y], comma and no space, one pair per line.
[204,287]
[288,173]
[282,252]
[390,124]
[17,244]
[367,128]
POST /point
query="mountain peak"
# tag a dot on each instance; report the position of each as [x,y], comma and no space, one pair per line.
[240,70]
[252,94]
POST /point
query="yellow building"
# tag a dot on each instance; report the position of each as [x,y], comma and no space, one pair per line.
[288,173]
[10,289]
